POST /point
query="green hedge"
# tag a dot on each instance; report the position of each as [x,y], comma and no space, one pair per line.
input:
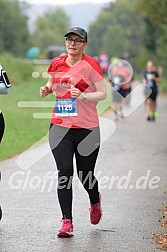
[17,69]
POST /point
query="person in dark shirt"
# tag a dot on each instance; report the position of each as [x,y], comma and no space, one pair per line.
[151,78]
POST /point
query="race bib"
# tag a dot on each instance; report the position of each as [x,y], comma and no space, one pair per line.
[150,81]
[66,107]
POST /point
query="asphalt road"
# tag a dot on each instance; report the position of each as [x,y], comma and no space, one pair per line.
[132,172]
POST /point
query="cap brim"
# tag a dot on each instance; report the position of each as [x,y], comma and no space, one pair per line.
[74,33]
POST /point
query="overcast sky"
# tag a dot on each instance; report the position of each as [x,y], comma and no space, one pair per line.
[64,2]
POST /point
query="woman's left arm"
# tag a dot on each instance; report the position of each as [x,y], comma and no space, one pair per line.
[157,79]
[98,95]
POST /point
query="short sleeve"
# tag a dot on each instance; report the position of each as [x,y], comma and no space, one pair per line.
[96,73]
[52,68]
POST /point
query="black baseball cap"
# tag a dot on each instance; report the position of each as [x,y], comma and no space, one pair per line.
[79,31]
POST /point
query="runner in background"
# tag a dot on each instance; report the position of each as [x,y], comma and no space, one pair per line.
[151,78]
[104,63]
[120,75]
[128,86]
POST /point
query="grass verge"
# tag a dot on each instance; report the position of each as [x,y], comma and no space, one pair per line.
[22,130]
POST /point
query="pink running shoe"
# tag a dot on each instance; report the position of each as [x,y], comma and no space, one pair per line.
[95,212]
[67,229]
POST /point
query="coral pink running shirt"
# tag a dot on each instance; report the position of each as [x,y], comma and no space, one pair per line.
[83,75]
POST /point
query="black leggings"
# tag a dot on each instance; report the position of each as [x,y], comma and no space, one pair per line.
[64,143]
[2,126]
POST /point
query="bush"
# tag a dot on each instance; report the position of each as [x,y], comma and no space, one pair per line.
[163,85]
[17,69]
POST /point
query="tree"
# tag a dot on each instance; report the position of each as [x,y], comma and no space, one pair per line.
[14,29]
[117,29]
[50,28]
[155,18]
[154,10]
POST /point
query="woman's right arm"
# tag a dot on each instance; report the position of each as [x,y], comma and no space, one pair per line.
[47,89]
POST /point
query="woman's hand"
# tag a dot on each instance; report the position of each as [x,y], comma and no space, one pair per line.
[44,91]
[75,92]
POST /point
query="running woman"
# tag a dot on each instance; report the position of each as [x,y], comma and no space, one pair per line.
[78,83]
